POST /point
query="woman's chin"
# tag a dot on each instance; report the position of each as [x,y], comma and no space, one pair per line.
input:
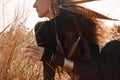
[39,16]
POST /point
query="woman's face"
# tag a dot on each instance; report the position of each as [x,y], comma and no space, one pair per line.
[42,7]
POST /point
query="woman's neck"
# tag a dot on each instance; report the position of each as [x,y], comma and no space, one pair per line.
[52,14]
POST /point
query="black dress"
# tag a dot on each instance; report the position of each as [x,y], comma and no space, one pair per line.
[46,37]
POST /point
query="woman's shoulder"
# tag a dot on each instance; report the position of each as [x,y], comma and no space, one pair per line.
[41,26]
[37,25]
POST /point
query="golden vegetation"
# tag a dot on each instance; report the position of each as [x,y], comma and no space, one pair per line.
[14,62]
[115,32]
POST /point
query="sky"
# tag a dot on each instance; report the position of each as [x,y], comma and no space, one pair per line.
[10,8]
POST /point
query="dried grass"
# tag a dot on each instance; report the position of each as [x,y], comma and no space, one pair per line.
[115,32]
[14,62]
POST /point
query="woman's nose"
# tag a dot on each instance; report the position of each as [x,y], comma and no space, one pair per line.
[34,5]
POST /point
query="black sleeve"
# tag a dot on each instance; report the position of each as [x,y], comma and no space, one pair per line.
[49,53]
[40,39]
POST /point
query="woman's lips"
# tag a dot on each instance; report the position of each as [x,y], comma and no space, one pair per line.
[37,10]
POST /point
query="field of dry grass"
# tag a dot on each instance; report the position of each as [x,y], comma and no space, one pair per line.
[115,32]
[14,62]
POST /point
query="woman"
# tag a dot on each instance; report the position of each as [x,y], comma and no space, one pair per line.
[59,32]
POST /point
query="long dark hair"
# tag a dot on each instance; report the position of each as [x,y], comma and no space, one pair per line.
[75,25]
[81,21]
